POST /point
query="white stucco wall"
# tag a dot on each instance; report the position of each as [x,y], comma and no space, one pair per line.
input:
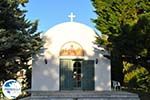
[46,76]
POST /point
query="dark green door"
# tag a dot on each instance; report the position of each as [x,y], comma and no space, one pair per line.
[88,75]
[66,75]
[76,74]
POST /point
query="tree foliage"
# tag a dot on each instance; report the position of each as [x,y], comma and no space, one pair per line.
[18,38]
[136,77]
[126,24]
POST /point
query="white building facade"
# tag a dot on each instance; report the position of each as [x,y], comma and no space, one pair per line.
[71,61]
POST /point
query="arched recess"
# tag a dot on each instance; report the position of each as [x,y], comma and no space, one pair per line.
[71,48]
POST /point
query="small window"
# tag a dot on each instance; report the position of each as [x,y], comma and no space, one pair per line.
[77,74]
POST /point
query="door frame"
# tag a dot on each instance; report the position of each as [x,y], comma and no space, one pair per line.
[73,60]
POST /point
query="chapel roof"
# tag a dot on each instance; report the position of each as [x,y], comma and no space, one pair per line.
[70,27]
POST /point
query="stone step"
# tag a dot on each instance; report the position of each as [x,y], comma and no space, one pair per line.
[83,95]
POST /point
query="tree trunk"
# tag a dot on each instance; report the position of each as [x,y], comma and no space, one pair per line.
[117,66]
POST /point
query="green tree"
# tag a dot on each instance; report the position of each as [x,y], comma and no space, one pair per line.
[137,47]
[120,21]
[18,39]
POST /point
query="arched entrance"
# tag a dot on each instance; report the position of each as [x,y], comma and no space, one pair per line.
[75,72]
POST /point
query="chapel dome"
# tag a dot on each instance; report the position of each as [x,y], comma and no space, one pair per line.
[70,32]
[70,28]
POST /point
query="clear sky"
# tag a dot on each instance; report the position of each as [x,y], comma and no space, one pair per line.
[53,12]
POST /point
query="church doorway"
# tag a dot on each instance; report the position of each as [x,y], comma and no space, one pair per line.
[76,74]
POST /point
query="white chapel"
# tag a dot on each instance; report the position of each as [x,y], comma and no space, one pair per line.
[70,60]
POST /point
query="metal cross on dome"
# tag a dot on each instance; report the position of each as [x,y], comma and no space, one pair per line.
[71,16]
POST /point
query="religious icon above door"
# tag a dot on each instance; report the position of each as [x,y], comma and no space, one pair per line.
[71,49]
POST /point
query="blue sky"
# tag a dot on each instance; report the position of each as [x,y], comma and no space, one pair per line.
[53,12]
